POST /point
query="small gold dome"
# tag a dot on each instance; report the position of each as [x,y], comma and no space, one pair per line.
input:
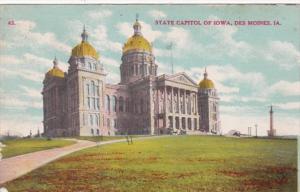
[85,49]
[56,72]
[137,42]
[206,83]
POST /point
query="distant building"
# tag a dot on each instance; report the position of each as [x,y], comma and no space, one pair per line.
[81,102]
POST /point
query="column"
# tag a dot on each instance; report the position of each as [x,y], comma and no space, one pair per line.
[165,107]
[185,102]
[172,100]
[178,100]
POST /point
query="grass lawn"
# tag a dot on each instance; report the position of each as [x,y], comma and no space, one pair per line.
[177,163]
[103,138]
[22,146]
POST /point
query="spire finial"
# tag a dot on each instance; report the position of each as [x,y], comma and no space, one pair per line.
[137,26]
[55,62]
[205,73]
[84,34]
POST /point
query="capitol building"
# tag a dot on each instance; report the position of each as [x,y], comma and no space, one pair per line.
[80,102]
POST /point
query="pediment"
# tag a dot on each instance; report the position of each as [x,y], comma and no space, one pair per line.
[181,78]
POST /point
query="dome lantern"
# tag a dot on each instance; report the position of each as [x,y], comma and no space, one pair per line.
[84,35]
[137,26]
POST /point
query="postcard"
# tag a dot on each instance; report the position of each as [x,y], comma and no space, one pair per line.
[149,97]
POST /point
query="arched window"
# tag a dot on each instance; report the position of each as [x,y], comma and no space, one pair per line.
[114,104]
[90,66]
[107,103]
[121,104]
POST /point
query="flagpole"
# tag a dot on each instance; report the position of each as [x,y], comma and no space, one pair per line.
[172,58]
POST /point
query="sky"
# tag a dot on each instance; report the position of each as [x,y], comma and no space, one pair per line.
[252,67]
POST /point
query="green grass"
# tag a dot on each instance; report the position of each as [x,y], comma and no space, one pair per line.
[103,138]
[22,146]
[179,163]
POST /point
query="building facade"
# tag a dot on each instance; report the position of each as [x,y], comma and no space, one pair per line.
[81,102]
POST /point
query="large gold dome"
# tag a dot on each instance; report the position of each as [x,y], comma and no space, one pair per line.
[137,41]
[85,49]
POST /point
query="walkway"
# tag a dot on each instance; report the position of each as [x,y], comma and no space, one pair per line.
[14,167]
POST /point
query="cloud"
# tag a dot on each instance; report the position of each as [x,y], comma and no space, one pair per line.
[288,105]
[109,62]
[9,59]
[285,88]
[31,92]
[20,124]
[101,40]
[10,101]
[229,79]
[99,14]
[24,73]
[23,35]
[283,53]
[12,66]
[157,14]
[224,41]
[98,36]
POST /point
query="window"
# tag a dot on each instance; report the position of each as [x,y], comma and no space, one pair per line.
[127,105]
[97,120]
[90,66]
[121,104]
[108,123]
[88,89]
[115,123]
[114,104]
[97,104]
[94,103]
[93,88]
[142,105]
[89,102]
[107,103]
[92,131]
[91,120]
[98,132]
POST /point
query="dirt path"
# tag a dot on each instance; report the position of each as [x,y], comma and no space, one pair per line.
[14,167]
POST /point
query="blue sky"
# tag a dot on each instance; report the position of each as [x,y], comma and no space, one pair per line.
[251,66]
